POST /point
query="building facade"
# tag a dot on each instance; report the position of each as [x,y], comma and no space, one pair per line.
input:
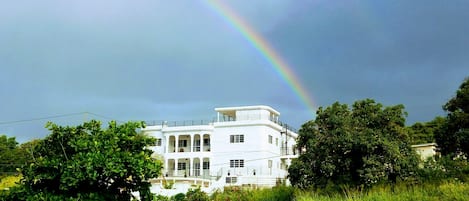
[242,146]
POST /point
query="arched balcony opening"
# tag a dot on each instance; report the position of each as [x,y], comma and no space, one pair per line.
[196,143]
[206,142]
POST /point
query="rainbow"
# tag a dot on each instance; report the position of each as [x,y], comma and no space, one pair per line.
[263,47]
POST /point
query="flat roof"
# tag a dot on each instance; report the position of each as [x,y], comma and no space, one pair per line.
[423,145]
[231,110]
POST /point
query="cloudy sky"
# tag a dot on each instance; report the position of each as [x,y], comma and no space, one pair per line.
[178,60]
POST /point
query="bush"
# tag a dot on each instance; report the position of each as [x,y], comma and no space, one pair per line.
[179,197]
[160,198]
[9,181]
[443,169]
[196,195]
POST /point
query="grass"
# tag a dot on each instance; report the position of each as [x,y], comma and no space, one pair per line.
[452,190]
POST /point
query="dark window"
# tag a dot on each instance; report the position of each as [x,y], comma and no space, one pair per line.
[181,166]
[182,143]
[237,163]
[206,165]
[206,142]
[158,142]
[236,138]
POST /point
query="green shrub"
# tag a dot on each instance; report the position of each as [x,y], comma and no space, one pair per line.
[179,197]
[160,198]
[443,169]
[196,195]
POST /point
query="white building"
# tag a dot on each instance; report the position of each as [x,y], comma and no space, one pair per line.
[426,150]
[243,146]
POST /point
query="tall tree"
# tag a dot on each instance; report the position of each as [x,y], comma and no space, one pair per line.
[361,146]
[12,156]
[453,138]
[425,132]
[88,162]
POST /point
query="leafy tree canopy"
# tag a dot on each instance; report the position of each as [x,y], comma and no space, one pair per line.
[453,137]
[12,155]
[86,162]
[361,146]
[421,133]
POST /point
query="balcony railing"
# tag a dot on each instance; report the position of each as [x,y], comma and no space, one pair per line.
[222,119]
[257,117]
[288,150]
[178,123]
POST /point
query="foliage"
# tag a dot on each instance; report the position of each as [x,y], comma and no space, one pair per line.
[362,146]
[446,191]
[12,156]
[421,133]
[160,198]
[276,193]
[196,195]
[444,168]
[453,138]
[86,162]
[9,181]
[179,197]
[168,184]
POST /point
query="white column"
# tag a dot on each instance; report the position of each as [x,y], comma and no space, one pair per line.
[176,144]
[167,144]
[201,167]
[166,166]
[191,137]
[201,142]
[176,167]
[191,168]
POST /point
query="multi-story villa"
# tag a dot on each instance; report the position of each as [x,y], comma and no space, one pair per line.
[243,146]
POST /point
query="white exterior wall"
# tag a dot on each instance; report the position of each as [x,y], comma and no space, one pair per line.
[425,150]
[156,133]
[246,115]
[255,151]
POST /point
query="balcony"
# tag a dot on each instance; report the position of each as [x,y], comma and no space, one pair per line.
[288,152]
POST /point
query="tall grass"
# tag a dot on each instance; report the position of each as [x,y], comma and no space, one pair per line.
[442,191]
[445,191]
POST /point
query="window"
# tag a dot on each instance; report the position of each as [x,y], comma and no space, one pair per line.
[182,143]
[276,141]
[158,142]
[197,145]
[270,139]
[206,165]
[236,138]
[197,169]
[236,163]
[230,180]
[181,166]
[269,163]
[206,142]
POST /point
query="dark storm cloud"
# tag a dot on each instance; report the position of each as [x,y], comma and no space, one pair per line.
[171,60]
[409,52]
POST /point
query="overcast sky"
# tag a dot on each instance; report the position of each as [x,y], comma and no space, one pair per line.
[178,60]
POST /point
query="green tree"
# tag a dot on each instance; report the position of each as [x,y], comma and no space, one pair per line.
[87,162]
[425,132]
[12,155]
[453,137]
[361,146]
